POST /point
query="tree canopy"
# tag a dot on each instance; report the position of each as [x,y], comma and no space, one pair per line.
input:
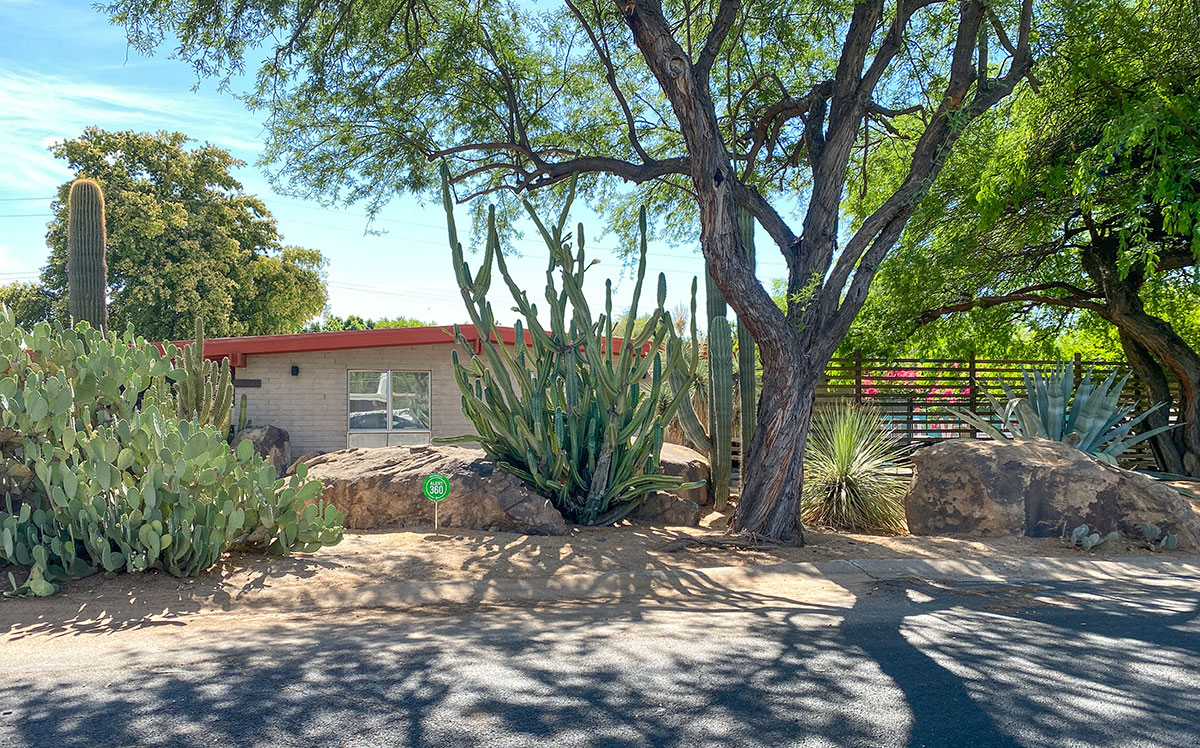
[184,240]
[333,323]
[716,108]
[1076,206]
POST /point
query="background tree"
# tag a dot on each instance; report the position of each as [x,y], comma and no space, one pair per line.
[29,302]
[184,241]
[764,106]
[1076,206]
[333,323]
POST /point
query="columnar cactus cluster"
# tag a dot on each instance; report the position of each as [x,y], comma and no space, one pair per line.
[717,439]
[204,389]
[87,268]
[573,409]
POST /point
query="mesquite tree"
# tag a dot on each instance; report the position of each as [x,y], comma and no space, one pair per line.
[1083,201]
[720,105]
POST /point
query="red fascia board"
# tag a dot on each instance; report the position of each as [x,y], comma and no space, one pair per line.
[237,349]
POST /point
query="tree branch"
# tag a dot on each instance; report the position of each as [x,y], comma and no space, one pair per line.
[1079,299]
[610,74]
[727,14]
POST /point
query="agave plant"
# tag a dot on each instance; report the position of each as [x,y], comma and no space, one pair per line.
[849,477]
[1089,417]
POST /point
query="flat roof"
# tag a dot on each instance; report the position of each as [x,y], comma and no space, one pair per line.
[237,349]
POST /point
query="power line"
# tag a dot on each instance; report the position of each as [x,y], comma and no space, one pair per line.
[443,228]
[26,215]
[24,199]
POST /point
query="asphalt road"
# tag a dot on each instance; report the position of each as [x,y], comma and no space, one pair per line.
[902,663]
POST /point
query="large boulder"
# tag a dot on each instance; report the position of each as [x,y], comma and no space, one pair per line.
[382,487]
[676,459]
[1038,488]
[662,508]
[270,442]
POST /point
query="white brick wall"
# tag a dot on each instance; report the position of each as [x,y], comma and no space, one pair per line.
[312,405]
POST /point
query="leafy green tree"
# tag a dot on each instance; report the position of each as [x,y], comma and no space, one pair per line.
[29,303]
[712,107]
[184,240]
[333,323]
[1077,205]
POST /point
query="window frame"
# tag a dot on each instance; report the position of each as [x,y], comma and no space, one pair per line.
[387,429]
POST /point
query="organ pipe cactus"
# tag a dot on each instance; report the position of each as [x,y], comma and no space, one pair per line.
[716,439]
[573,408]
[87,269]
[204,390]
[747,355]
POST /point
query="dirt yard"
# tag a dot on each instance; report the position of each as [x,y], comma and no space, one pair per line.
[448,555]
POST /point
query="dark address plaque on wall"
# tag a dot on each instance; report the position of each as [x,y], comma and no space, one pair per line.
[247,383]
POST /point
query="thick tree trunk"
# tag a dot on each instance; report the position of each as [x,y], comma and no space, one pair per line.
[1168,450]
[1154,338]
[1161,341]
[773,474]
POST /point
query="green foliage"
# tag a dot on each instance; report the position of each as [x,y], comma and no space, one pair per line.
[849,477]
[571,415]
[99,475]
[87,270]
[1156,540]
[184,241]
[1089,417]
[203,390]
[1080,537]
[331,323]
[28,302]
[1103,151]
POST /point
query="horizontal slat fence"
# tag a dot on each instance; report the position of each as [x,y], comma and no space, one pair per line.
[914,395]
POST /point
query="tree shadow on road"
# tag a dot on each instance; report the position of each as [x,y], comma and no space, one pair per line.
[906,663]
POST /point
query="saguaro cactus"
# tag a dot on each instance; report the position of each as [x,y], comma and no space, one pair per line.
[87,269]
[575,412]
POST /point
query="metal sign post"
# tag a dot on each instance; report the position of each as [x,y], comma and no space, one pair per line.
[436,488]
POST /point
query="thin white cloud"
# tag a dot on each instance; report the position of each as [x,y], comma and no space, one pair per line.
[39,110]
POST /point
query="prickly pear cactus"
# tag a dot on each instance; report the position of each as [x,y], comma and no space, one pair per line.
[100,474]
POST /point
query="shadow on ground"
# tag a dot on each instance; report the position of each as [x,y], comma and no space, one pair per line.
[907,664]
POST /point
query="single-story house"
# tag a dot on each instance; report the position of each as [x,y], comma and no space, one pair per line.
[360,388]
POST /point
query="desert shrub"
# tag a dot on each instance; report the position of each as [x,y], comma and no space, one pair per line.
[98,474]
[849,478]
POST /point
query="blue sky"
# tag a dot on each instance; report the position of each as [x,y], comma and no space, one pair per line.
[64,67]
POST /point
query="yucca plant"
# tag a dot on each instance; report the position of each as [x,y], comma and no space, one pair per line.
[850,481]
[1088,417]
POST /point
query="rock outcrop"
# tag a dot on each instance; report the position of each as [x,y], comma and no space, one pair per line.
[1038,488]
[676,459]
[662,508]
[271,442]
[382,487]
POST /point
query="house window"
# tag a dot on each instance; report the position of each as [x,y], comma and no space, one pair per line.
[389,401]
